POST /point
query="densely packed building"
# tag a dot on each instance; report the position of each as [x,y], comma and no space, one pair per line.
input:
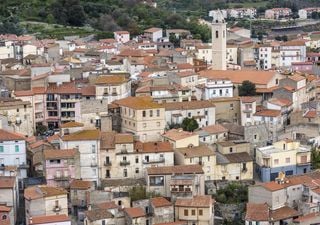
[86,126]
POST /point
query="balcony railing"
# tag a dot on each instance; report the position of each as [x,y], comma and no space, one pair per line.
[62,178]
[23,166]
[107,164]
[124,163]
[181,190]
[161,160]
[122,151]
[57,209]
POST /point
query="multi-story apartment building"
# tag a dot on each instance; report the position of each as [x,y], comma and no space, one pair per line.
[9,196]
[45,200]
[13,153]
[57,104]
[307,12]
[212,134]
[218,88]
[176,181]
[202,111]
[180,138]
[277,13]
[166,93]
[248,107]
[263,56]
[60,167]
[19,115]
[122,157]
[112,87]
[142,117]
[198,209]
[122,36]
[292,52]
[87,142]
[198,155]
[286,156]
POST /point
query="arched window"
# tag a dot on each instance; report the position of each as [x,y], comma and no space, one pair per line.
[217,34]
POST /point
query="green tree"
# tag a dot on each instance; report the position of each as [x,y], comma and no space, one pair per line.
[247,88]
[40,129]
[189,124]
[315,158]
[140,192]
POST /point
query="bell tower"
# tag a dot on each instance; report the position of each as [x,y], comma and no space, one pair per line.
[219,42]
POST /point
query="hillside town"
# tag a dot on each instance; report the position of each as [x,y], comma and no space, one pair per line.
[140,130]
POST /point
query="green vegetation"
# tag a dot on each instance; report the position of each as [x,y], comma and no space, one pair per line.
[139,192]
[315,158]
[189,124]
[233,193]
[247,88]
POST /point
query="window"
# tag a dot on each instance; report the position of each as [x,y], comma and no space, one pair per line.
[17,148]
[230,149]
[185,212]
[248,115]
[217,34]
[158,112]
[158,124]
[193,212]
[144,125]
[143,113]
[125,172]
[200,212]
[288,160]
[189,114]
[137,160]
[4,217]
[1,148]
[137,170]
[276,161]
[151,113]
[156,181]
[93,147]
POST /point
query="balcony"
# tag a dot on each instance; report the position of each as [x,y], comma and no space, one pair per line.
[122,151]
[124,163]
[107,164]
[160,160]
[62,178]
[52,108]
[181,190]
[23,166]
[57,209]
[69,99]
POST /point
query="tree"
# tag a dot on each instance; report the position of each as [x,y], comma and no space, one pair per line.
[315,158]
[140,192]
[189,124]
[247,88]
[284,38]
[40,129]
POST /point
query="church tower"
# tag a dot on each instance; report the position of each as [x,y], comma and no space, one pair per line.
[219,42]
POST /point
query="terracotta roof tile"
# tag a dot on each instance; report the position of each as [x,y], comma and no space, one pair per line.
[59,154]
[310,114]
[36,192]
[80,184]
[49,219]
[152,30]
[7,182]
[153,147]
[181,169]
[135,212]
[71,124]
[268,113]
[238,76]
[10,136]
[82,135]
[257,212]
[296,77]
[160,202]
[123,138]
[138,103]
[178,134]
[248,99]
[283,213]
[174,223]
[215,129]
[306,217]
[202,150]
[4,208]
[98,214]
[200,201]
[111,79]
[280,101]
[107,205]
[238,157]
